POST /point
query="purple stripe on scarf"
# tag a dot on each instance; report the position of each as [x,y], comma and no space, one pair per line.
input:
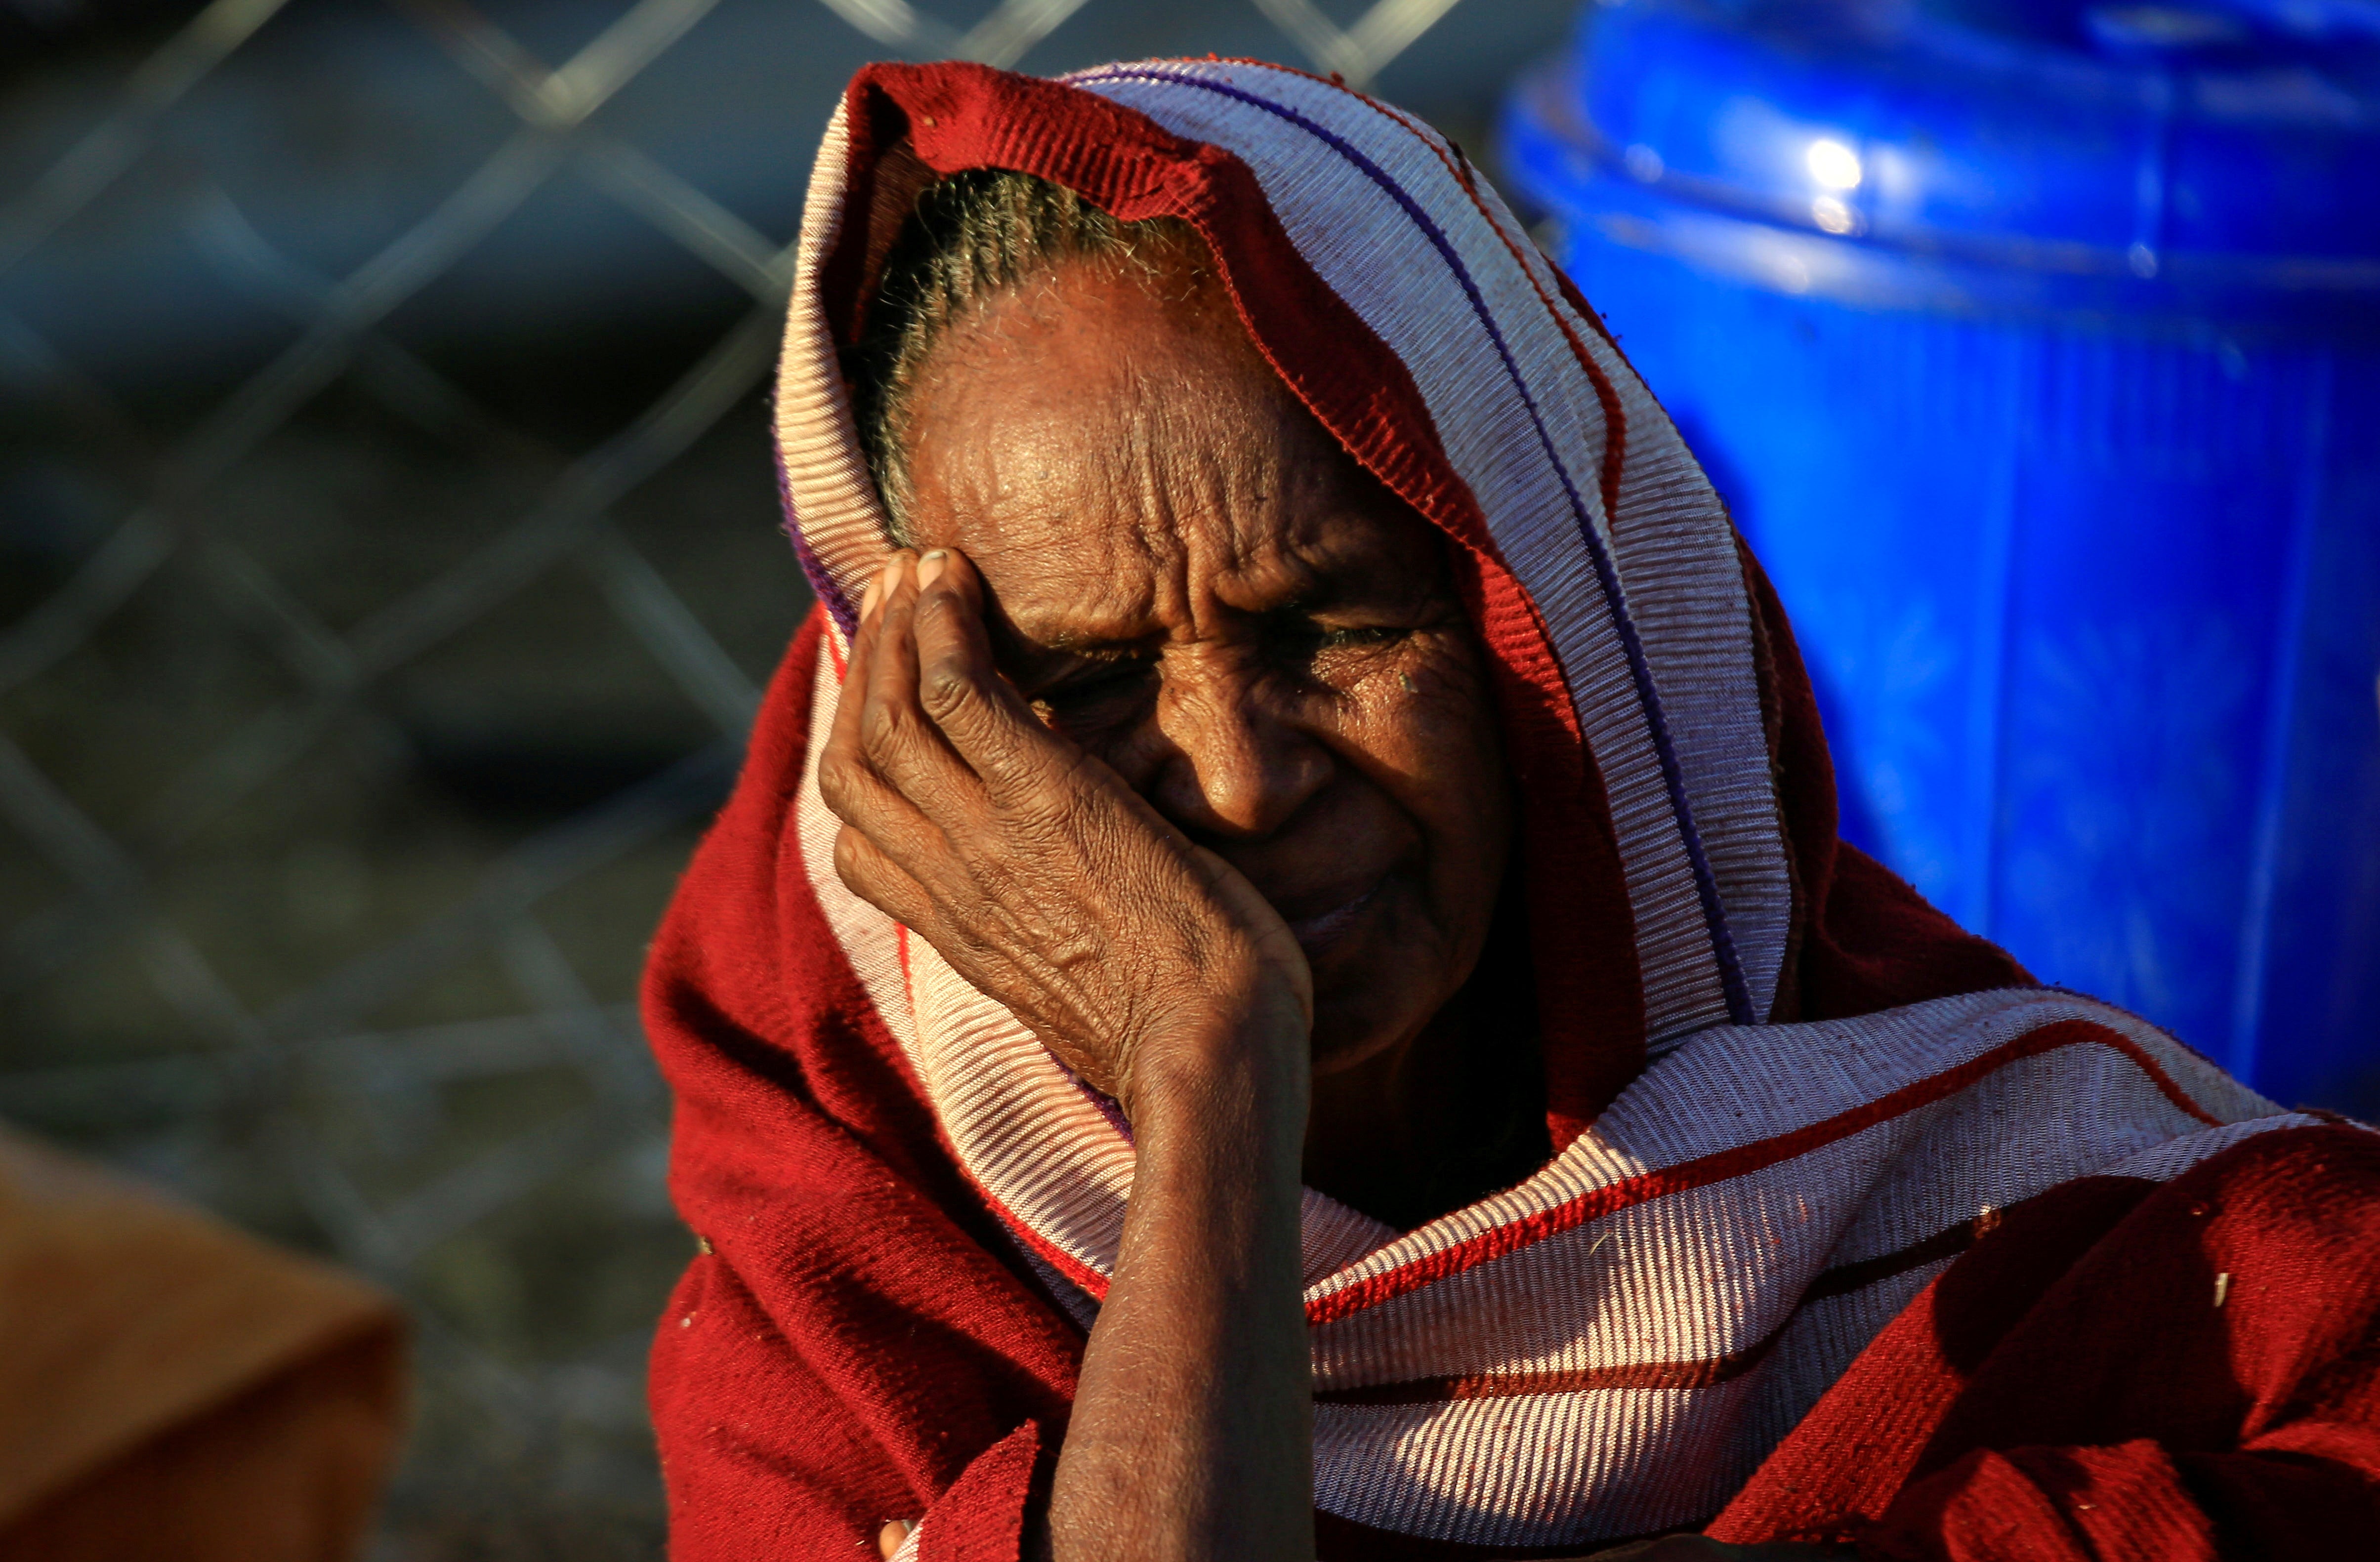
[1731,969]
[822,585]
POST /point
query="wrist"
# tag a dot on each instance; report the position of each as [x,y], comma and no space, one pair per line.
[1240,1079]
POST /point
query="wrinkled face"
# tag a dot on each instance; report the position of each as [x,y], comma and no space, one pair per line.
[1195,582]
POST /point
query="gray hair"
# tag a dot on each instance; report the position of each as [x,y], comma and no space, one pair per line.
[972,238]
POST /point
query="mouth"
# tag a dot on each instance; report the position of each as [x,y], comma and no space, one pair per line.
[1324,929]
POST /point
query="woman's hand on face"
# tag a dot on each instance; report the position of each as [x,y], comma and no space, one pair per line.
[1030,867]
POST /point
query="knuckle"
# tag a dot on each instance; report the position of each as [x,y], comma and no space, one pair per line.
[839,782]
[882,729]
[945,690]
[851,859]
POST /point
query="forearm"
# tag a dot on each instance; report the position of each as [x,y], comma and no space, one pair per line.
[1157,971]
[1191,1437]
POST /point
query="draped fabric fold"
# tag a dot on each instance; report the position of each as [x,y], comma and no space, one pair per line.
[1785,1095]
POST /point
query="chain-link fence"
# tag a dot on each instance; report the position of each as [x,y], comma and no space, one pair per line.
[387,572]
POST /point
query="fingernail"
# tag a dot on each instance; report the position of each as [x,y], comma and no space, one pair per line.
[931,567]
[868,598]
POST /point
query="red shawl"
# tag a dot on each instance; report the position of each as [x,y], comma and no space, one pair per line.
[2169,1360]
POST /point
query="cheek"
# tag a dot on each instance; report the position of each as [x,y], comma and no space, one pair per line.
[1427,728]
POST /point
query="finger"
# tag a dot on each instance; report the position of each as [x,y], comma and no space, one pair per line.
[848,778]
[887,850]
[852,699]
[874,874]
[849,744]
[889,1538]
[959,686]
[893,671]
[904,745]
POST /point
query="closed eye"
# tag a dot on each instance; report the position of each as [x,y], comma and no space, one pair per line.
[1100,691]
[1298,643]
[1363,635]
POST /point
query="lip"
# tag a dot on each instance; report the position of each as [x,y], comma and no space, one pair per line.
[1318,932]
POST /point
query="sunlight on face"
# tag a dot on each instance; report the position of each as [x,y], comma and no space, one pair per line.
[1191,579]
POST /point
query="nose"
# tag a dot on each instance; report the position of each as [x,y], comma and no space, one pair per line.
[1235,759]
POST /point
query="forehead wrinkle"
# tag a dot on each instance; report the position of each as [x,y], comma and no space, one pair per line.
[1166,472]
[1189,489]
[1061,594]
[1238,511]
[1181,521]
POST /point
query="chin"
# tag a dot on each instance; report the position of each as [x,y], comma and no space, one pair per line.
[1376,987]
[1339,1050]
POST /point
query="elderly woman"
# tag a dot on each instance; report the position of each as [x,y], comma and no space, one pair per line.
[1281,980]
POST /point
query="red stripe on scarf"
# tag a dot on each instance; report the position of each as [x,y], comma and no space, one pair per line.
[1718,1167]
[1840,1281]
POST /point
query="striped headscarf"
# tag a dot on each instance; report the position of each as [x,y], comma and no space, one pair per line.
[1783,1092]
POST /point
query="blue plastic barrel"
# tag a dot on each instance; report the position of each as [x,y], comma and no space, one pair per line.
[2036,346]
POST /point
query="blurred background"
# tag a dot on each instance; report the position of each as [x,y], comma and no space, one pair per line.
[389,566]
[389,563]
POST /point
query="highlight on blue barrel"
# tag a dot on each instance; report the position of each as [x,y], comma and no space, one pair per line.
[2036,347]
